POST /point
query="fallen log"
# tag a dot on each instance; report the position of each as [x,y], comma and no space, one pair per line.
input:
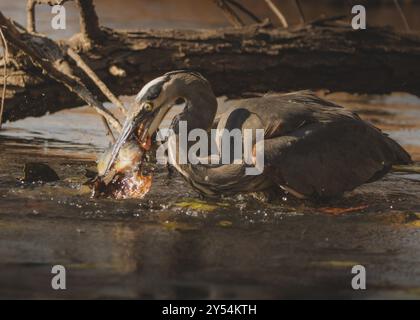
[51,59]
[256,58]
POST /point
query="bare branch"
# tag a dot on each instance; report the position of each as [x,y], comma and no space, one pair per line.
[99,83]
[30,11]
[278,13]
[301,14]
[230,15]
[280,58]
[244,10]
[403,17]
[89,22]
[108,129]
[30,15]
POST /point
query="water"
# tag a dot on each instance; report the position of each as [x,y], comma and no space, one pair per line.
[171,244]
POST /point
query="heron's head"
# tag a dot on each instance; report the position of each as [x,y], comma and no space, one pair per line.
[154,101]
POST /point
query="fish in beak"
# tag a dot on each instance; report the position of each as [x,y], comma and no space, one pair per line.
[136,128]
[120,168]
[125,157]
[139,126]
[126,179]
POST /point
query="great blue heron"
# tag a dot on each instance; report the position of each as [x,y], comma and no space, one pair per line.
[312,147]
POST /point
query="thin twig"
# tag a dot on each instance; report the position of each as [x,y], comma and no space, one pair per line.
[278,13]
[301,14]
[244,10]
[230,14]
[19,26]
[5,61]
[109,132]
[92,75]
[403,17]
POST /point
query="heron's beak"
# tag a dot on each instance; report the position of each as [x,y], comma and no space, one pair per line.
[140,127]
[132,124]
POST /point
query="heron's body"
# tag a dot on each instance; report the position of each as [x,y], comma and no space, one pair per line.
[312,147]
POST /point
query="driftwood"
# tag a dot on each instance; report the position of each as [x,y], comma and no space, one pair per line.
[256,58]
[49,57]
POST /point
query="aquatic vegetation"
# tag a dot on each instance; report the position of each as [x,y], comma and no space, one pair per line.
[199,205]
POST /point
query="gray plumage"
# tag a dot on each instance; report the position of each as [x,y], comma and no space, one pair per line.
[312,147]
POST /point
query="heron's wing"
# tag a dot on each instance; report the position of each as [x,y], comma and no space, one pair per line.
[284,113]
[327,158]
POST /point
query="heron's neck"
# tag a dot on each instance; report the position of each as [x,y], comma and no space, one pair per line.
[200,109]
[199,113]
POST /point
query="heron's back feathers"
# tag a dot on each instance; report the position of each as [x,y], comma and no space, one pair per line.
[312,148]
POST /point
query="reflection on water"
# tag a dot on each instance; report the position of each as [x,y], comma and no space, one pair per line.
[171,244]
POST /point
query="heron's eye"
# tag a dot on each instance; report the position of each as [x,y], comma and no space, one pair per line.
[148,106]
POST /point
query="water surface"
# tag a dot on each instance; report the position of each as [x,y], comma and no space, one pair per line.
[172,244]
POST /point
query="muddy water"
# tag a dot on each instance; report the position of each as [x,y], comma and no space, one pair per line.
[171,244]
